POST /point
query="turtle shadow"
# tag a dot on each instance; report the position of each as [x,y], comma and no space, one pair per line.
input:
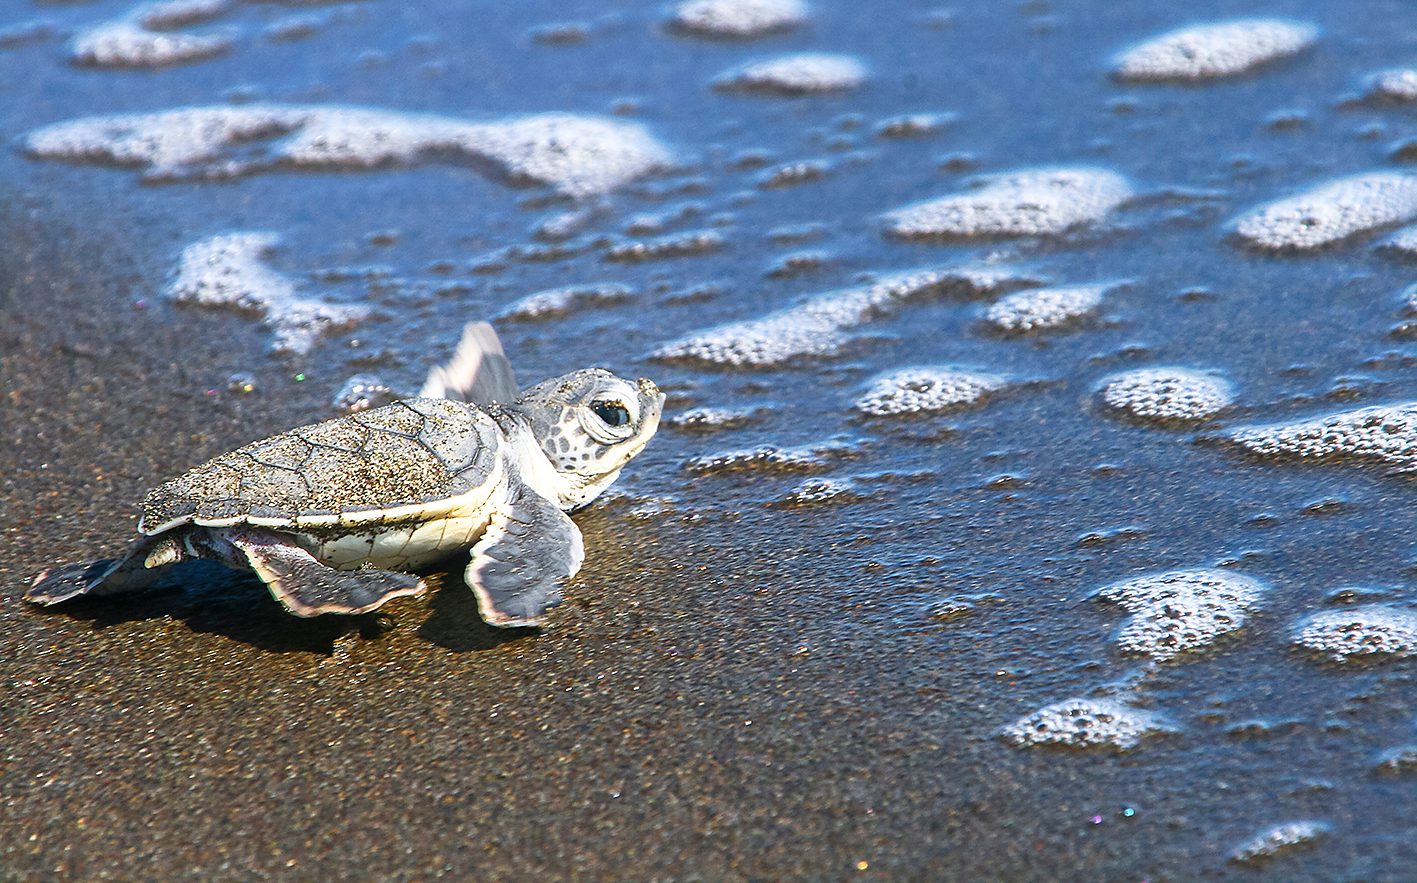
[211,599]
[454,622]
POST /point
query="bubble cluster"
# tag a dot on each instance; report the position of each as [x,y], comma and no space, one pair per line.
[166,16]
[228,271]
[1330,212]
[817,327]
[127,44]
[818,492]
[557,302]
[738,18]
[577,155]
[1168,395]
[363,392]
[1395,85]
[1037,309]
[762,459]
[1087,723]
[1399,761]
[913,125]
[1386,432]
[1033,202]
[685,243]
[1278,840]
[805,73]
[926,389]
[1180,611]
[1353,634]
[1214,50]
[711,419]
[1400,243]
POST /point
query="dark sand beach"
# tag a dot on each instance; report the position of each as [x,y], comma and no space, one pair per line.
[833,660]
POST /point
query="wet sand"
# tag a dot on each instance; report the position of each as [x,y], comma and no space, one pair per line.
[739,687]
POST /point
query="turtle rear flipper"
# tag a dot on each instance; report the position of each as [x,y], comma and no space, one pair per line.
[139,567]
[69,581]
[307,588]
[528,551]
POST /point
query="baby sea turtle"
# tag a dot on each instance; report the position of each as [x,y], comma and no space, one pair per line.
[331,515]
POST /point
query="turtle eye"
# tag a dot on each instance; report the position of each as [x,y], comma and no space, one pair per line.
[612,412]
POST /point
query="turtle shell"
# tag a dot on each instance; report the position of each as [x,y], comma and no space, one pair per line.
[409,461]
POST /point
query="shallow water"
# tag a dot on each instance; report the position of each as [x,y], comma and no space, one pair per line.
[807,661]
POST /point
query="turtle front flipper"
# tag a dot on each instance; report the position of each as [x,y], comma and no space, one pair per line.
[518,567]
[478,372]
[307,588]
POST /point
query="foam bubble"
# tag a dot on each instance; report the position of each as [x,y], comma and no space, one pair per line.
[1168,395]
[738,18]
[560,301]
[363,392]
[1087,723]
[817,327]
[712,419]
[1386,432]
[685,243]
[913,125]
[1354,634]
[1278,840]
[801,74]
[173,14]
[1214,50]
[1399,761]
[578,155]
[1037,309]
[1331,212]
[764,459]
[1180,611]
[126,44]
[1401,243]
[926,389]
[227,271]
[818,492]
[1397,85]
[1033,202]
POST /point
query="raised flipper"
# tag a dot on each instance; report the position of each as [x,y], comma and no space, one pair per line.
[479,371]
[307,588]
[139,567]
[518,567]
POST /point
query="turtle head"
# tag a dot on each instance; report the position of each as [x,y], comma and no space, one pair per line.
[589,424]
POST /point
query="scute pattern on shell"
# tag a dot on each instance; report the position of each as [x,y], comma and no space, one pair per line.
[407,453]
